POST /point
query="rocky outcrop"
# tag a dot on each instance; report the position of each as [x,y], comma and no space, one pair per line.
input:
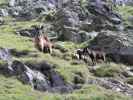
[5,54]
[71,24]
[122,2]
[74,22]
[29,9]
[3,12]
[114,85]
[28,76]
[65,22]
[117,45]
[101,9]
[34,30]
[73,19]
[40,76]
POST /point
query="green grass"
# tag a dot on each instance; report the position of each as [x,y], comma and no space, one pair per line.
[8,37]
[3,3]
[108,70]
[14,41]
[126,11]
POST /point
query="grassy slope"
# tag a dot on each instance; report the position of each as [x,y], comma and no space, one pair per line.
[3,1]
[126,11]
[12,89]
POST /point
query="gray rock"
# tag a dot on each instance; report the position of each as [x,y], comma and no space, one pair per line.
[28,32]
[5,54]
[73,19]
[62,89]
[12,2]
[100,9]
[117,45]
[123,2]
[28,76]
[65,23]
[29,9]
[130,19]
[113,84]
[3,12]
[42,77]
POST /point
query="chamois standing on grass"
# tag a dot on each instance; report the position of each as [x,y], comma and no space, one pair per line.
[43,44]
[95,55]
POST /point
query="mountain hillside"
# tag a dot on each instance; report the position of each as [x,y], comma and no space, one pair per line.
[66,50]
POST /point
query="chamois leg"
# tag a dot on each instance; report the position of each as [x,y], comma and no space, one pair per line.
[45,50]
[93,59]
[94,62]
[50,50]
[104,58]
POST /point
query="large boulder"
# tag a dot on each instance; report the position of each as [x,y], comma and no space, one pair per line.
[78,19]
[71,23]
[29,9]
[56,81]
[101,9]
[41,76]
[28,76]
[3,12]
[117,45]
[66,22]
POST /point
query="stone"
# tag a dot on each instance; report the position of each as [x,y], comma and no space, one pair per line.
[32,32]
[117,45]
[28,76]
[41,77]
[113,84]
[5,54]
[75,21]
[12,2]
[3,12]
[29,9]
[100,9]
